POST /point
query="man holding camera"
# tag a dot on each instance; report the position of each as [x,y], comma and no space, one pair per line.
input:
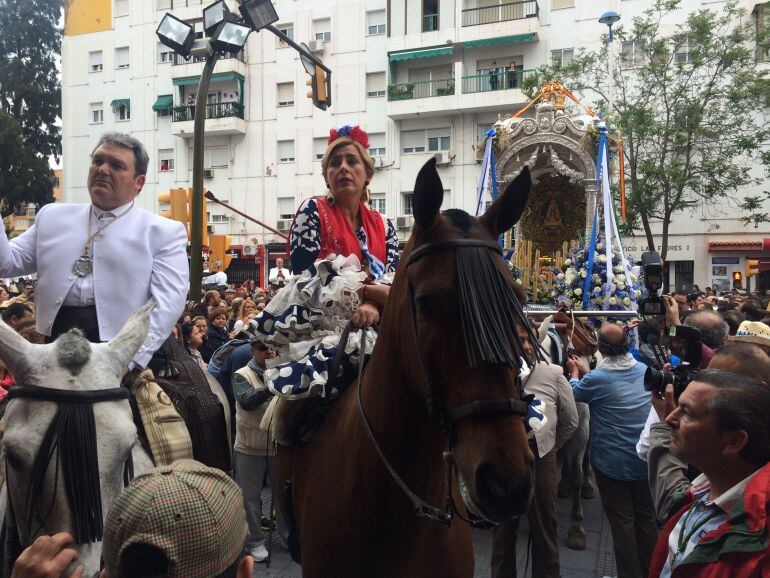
[720,427]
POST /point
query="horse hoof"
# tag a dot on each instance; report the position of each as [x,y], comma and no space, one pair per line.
[576,540]
[587,492]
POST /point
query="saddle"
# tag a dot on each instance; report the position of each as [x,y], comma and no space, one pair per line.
[184,382]
[294,420]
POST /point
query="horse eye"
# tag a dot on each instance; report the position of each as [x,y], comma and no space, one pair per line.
[11,459]
[424,307]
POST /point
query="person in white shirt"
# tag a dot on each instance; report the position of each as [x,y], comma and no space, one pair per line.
[218,279]
[279,276]
[98,262]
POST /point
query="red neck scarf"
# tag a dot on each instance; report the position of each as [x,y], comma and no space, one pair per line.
[337,236]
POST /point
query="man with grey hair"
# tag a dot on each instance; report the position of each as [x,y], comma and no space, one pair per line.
[98,262]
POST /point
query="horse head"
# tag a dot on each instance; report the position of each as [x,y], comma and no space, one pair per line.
[463,339]
[69,432]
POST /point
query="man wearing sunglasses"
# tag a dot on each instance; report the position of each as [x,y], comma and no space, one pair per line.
[253,446]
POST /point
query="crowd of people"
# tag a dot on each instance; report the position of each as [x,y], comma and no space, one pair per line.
[681,470]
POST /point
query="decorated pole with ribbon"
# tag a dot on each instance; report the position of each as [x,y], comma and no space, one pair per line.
[487,188]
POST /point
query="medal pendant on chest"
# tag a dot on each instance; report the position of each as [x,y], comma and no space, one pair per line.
[83,266]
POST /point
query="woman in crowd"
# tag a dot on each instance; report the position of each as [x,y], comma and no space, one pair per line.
[236,307]
[216,335]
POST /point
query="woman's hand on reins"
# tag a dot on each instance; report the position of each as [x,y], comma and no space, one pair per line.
[365,316]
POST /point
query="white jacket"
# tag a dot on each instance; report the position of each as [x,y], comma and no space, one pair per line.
[140,257]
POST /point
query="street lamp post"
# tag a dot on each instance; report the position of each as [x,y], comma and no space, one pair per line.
[609,18]
[226,32]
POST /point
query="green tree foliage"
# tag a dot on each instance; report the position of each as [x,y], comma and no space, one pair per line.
[30,98]
[690,103]
[25,176]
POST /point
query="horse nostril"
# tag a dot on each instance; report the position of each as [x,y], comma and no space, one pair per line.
[491,485]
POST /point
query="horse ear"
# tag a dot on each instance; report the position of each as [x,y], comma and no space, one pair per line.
[14,350]
[508,207]
[131,336]
[428,195]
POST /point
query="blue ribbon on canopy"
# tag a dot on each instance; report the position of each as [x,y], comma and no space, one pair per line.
[591,254]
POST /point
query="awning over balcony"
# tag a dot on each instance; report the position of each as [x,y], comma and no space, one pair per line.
[118,102]
[529,37]
[424,53]
[164,102]
[220,76]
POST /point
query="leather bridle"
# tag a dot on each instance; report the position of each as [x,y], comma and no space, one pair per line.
[435,402]
[52,443]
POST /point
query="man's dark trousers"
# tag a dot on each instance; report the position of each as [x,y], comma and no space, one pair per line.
[542,524]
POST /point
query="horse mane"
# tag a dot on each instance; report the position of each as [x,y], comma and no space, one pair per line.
[489,308]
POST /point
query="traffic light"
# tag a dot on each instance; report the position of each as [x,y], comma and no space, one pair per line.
[177,198]
[219,258]
[320,91]
[752,267]
[737,279]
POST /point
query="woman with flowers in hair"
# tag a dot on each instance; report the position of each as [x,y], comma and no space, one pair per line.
[341,222]
[343,255]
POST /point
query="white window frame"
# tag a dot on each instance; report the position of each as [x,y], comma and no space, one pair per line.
[319,147]
[683,54]
[407,203]
[634,56]
[95,66]
[284,103]
[286,159]
[120,50]
[122,4]
[288,205]
[442,135]
[166,156]
[376,93]
[326,29]
[165,55]
[560,54]
[288,30]
[378,202]
[376,28]
[123,113]
[96,115]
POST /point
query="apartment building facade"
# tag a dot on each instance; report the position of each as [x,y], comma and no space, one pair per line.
[423,77]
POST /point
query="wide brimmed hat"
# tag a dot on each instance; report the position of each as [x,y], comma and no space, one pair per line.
[753,332]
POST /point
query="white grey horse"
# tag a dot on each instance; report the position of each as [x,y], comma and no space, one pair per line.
[576,473]
[73,364]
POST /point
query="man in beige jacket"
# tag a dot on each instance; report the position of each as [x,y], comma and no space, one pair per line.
[548,384]
[254,453]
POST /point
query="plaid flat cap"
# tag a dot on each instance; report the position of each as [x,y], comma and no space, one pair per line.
[192,513]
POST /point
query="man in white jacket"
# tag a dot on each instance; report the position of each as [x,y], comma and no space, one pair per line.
[96,263]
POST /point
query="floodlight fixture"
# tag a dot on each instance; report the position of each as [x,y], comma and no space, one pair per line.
[230,37]
[258,13]
[176,34]
[609,18]
[214,14]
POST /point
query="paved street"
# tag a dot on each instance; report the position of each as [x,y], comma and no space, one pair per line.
[594,562]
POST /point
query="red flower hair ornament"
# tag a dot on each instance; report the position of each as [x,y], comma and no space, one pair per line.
[354,132]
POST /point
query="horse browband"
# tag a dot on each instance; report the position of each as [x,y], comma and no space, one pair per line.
[419,252]
[66,396]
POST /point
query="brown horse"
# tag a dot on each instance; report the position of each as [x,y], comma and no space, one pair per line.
[432,362]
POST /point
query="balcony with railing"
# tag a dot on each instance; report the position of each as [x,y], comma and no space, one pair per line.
[422,89]
[222,118]
[486,92]
[494,81]
[509,19]
[231,62]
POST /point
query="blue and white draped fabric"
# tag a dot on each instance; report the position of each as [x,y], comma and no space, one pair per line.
[376,267]
[304,322]
[611,235]
[591,256]
[487,190]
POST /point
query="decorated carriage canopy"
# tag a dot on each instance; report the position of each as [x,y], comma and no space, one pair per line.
[566,248]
